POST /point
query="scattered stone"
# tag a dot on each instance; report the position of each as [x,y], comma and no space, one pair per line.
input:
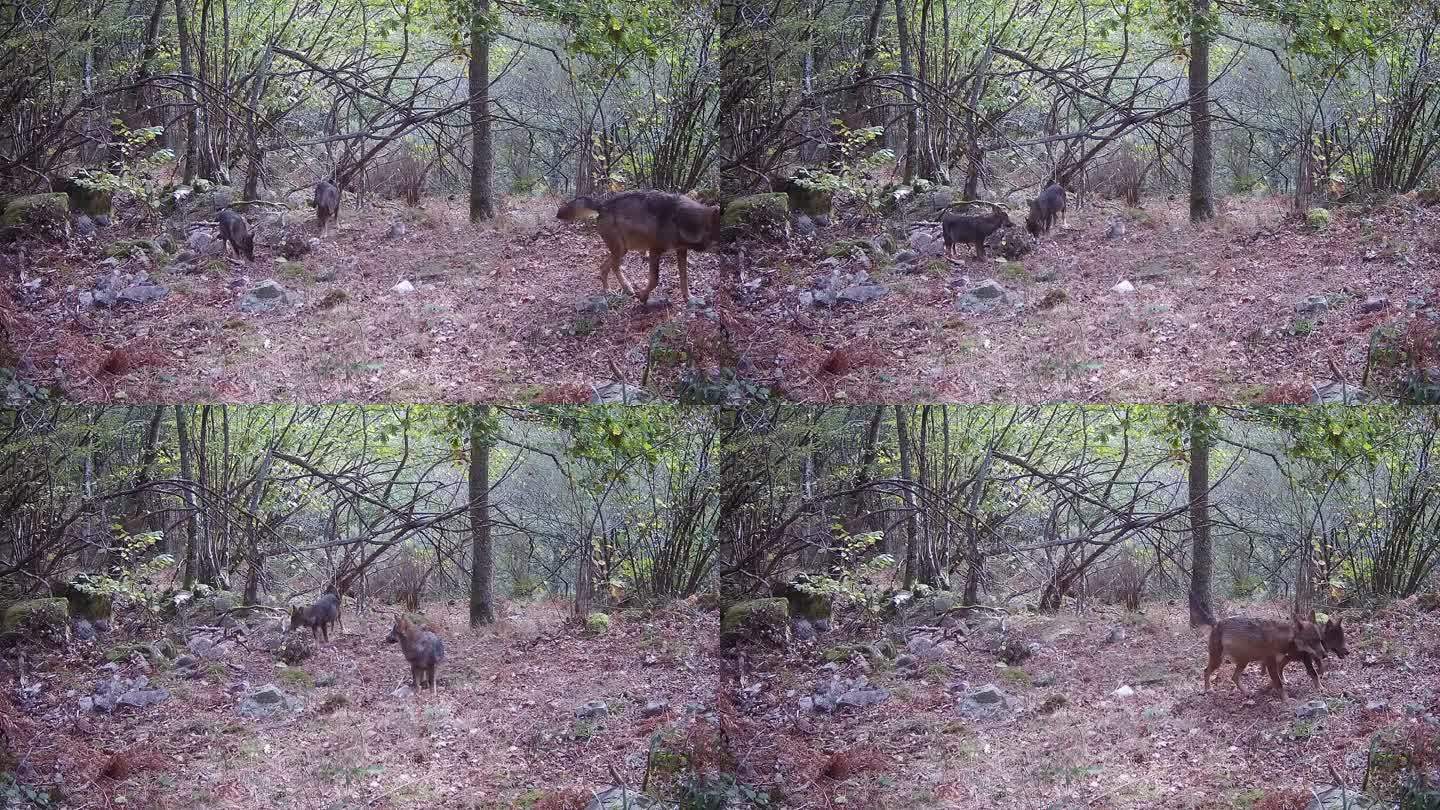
[326,679]
[1312,305]
[1375,303]
[1377,706]
[404,287]
[327,275]
[804,225]
[84,225]
[402,691]
[102,220]
[82,630]
[620,798]
[654,708]
[1116,229]
[265,296]
[1045,679]
[1124,692]
[1327,797]
[1014,652]
[118,287]
[267,701]
[1115,636]
[984,701]
[927,244]
[983,297]
[592,710]
[39,618]
[43,215]
[1124,287]
[140,698]
[860,698]
[821,220]
[803,630]
[906,256]
[619,393]
[397,230]
[593,305]
[1312,708]
[297,245]
[297,647]
[199,645]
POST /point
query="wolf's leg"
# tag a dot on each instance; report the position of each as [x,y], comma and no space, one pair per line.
[1240,665]
[644,295]
[680,254]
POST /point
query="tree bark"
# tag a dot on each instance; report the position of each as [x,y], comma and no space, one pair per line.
[482,158]
[187,75]
[1202,611]
[1202,159]
[902,431]
[912,116]
[482,561]
[182,431]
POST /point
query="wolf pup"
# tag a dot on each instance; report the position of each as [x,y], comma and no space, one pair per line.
[1265,640]
[318,617]
[653,221]
[327,203]
[1332,638]
[422,648]
[958,229]
[235,232]
[1045,208]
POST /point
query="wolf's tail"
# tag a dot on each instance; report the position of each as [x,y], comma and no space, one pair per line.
[579,208]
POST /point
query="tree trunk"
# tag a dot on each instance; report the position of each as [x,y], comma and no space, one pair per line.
[482,562]
[1202,159]
[187,75]
[585,581]
[142,476]
[907,75]
[1202,611]
[902,432]
[182,431]
[482,159]
[861,102]
[252,131]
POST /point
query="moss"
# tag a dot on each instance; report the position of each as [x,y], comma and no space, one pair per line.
[38,614]
[296,677]
[37,208]
[767,619]
[597,624]
[1317,219]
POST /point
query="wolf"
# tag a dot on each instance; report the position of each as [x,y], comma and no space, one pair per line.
[958,229]
[236,232]
[1332,638]
[1045,208]
[422,648]
[653,221]
[1265,640]
[318,617]
[327,204]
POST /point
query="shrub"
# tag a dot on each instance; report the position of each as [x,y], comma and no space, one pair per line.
[597,624]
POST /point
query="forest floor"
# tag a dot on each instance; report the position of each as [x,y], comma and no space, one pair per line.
[1068,741]
[510,311]
[1213,314]
[502,730]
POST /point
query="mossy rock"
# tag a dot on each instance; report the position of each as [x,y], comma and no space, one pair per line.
[126,247]
[931,609]
[597,624]
[47,214]
[93,202]
[46,611]
[208,609]
[764,620]
[126,650]
[1317,219]
[758,216]
[802,196]
[804,602]
[874,653]
[83,604]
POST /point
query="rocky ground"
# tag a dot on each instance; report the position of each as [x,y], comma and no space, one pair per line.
[397,304]
[1101,710]
[534,714]
[1124,305]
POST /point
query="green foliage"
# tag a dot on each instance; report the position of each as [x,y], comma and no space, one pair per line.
[1317,219]
[597,624]
[132,581]
[16,796]
[851,175]
[137,172]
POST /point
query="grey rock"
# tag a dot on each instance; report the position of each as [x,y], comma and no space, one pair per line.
[102,220]
[1375,303]
[326,679]
[199,644]
[621,798]
[593,305]
[84,225]
[265,296]
[1116,635]
[984,701]
[83,630]
[862,293]
[906,256]
[592,709]
[140,698]
[989,289]
[1312,305]
[141,293]
[860,698]
[1312,708]
[804,225]
[822,220]
[267,701]
[1326,797]
[821,625]
[397,229]
[802,629]
[654,708]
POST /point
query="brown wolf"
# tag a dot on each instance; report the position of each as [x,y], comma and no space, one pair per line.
[653,221]
[1332,638]
[1045,208]
[318,617]
[422,648]
[1264,640]
[958,229]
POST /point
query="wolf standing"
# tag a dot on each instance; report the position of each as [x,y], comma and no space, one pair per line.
[653,221]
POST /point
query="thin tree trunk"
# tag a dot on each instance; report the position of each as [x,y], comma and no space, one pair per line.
[482,161]
[182,430]
[912,116]
[187,75]
[902,431]
[1202,159]
[482,562]
[1202,612]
